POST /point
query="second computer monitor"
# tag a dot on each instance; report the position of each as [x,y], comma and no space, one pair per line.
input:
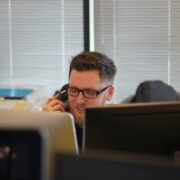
[152,128]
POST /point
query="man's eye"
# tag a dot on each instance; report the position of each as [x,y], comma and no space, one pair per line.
[90,92]
[73,90]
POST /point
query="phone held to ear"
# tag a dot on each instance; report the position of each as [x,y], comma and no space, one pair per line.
[63,96]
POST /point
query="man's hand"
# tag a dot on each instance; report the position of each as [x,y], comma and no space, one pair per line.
[53,104]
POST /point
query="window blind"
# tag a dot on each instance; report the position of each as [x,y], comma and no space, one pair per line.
[38,38]
[143,38]
[175,44]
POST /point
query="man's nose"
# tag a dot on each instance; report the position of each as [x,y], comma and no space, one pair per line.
[80,96]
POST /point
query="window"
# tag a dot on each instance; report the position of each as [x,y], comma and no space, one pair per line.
[143,37]
[38,38]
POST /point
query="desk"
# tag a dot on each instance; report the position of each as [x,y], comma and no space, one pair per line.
[15,104]
[27,98]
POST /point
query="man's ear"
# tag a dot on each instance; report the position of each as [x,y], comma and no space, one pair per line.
[110,93]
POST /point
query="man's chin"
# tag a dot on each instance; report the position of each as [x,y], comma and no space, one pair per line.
[79,120]
[78,116]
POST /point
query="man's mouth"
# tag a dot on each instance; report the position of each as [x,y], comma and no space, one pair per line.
[80,109]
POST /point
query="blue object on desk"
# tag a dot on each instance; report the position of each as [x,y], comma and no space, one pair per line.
[15,93]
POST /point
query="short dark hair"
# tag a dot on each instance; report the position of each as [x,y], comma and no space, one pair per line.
[92,60]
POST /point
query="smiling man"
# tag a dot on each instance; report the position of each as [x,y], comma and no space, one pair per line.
[91,76]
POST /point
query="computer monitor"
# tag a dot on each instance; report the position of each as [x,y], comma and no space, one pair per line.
[29,142]
[152,128]
[122,166]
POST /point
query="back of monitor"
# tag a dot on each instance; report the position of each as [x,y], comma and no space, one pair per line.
[32,140]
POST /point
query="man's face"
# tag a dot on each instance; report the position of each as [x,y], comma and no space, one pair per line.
[87,80]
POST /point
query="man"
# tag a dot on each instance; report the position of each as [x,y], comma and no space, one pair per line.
[91,77]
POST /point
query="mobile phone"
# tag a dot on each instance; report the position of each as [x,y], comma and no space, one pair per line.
[63,96]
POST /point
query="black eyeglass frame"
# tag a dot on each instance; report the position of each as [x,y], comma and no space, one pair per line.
[87,90]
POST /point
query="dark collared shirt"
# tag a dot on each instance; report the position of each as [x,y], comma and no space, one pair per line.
[79,133]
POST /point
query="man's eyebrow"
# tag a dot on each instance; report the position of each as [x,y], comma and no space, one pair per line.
[88,89]
[73,87]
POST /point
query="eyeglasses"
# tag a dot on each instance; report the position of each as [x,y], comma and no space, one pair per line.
[87,93]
